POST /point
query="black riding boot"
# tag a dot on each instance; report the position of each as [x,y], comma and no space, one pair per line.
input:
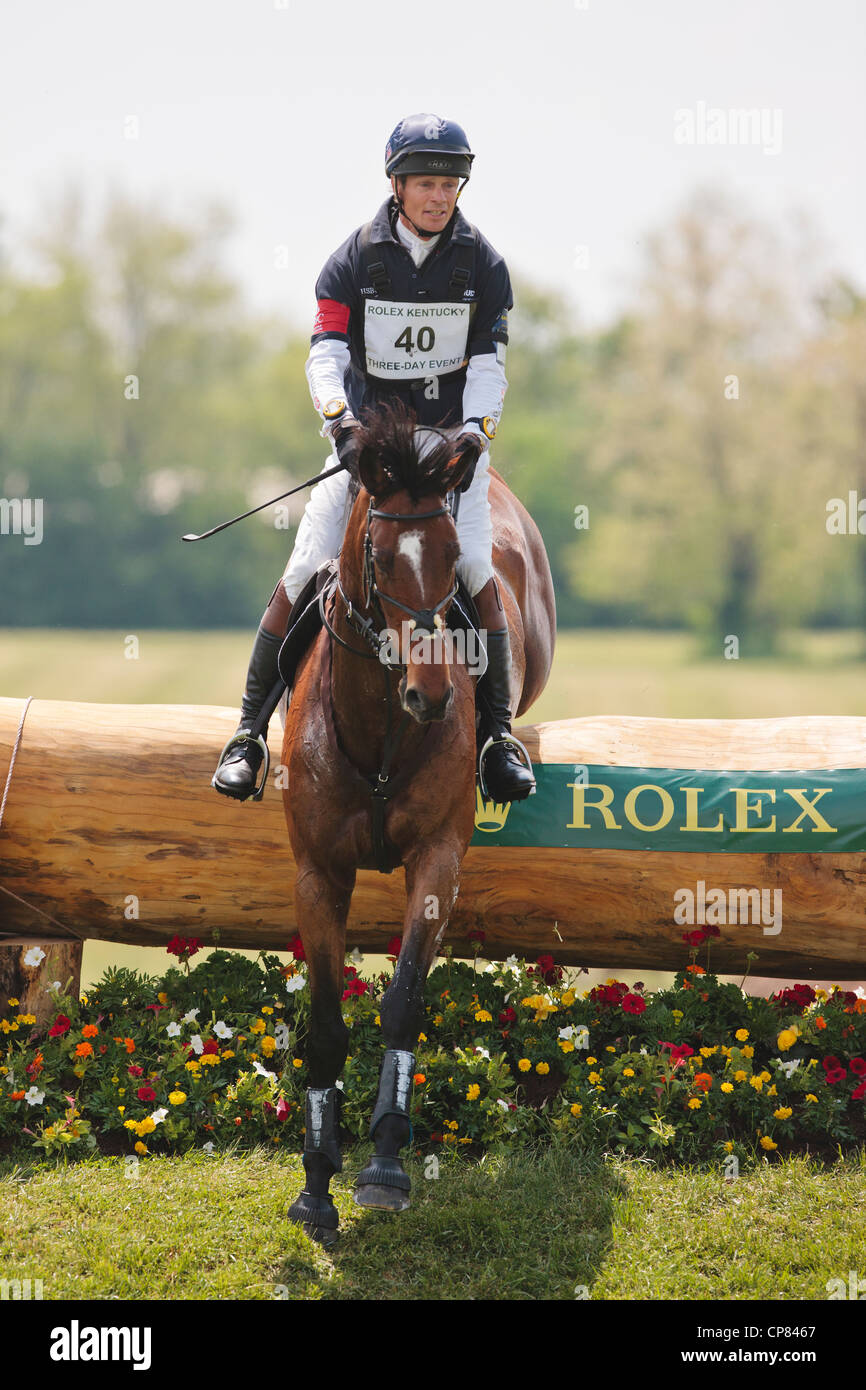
[238,767]
[504,775]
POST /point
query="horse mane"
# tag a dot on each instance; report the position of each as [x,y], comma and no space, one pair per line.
[388,432]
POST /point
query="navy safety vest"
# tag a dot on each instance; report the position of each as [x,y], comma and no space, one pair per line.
[412,329]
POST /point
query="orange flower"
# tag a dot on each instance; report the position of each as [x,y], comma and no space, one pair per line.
[696,970]
[703,1080]
[860,1006]
[129,1044]
[18,1095]
[84,1050]
[419,1078]
[89,1030]
[820,1022]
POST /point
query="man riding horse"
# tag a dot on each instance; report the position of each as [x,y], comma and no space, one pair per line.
[412,307]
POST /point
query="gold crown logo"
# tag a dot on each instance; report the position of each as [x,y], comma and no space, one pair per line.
[490,816]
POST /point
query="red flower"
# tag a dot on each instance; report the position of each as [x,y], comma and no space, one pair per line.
[860,1092]
[296,947]
[135,1071]
[694,938]
[282,1109]
[355,987]
[210,1046]
[61,1025]
[476,936]
[832,1064]
[858,1065]
[394,945]
[146,1093]
[349,972]
[550,973]
[155,1007]
[177,946]
[633,1004]
[609,995]
[834,1075]
[508,1015]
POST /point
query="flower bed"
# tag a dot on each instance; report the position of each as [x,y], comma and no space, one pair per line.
[509,1053]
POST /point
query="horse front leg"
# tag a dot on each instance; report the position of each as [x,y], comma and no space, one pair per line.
[431,882]
[322,904]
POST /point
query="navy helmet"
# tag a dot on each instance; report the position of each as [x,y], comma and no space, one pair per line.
[425,144]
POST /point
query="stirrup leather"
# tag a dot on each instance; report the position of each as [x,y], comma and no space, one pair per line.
[241,737]
[491,742]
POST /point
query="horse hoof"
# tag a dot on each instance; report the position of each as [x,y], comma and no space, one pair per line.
[382,1198]
[315,1214]
[325,1236]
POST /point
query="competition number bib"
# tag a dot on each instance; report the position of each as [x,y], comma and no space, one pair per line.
[403,341]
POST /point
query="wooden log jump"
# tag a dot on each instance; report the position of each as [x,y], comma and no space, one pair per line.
[112,829]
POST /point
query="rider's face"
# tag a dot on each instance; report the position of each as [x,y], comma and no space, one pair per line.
[429,199]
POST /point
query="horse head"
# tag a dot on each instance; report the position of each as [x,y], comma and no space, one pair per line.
[401,551]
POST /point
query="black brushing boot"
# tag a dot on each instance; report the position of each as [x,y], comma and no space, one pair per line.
[502,773]
[242,756]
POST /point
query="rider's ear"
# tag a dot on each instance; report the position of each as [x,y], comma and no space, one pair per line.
[371,472]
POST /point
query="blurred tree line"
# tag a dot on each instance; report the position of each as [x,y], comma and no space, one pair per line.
[679,462]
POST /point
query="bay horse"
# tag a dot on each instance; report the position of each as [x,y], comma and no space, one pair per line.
[343,753]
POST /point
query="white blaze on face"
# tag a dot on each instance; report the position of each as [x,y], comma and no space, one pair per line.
[410,546]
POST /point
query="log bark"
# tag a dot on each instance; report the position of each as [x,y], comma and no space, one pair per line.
[28,983]
[112,828]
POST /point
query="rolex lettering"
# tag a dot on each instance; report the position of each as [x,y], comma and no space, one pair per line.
[408,341]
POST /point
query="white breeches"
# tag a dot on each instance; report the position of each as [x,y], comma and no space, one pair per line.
[320,533]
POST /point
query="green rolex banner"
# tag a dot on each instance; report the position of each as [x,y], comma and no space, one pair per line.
[637,808]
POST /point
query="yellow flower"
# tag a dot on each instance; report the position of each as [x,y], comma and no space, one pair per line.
[147,1125]
[228,1053]
[566,1044]
[784,1112]
[193,1066]
[786,1039]
[542,1068]
[482,1016]
[728,1146]
[13,1001]
[757,1082]
[524,1064]
[694,1104]
[422,1037]
[768,1143]
[594,1077]
[266,1009]
[813,1099]
[464,1139]
[748,1051]
[741,1034]
[765,1076]
[130,1124]
[567,998]
[378,1021]
[163,998]
[26,1018]
[121,1108]
[727,1087]
[677,1013]
[258,1026]
[176,1097]
[140,1148]
[708,1051]
[437,1020]
[627,1071]
[610,1049]
[577,1109]
[741,1075]
[452,1124]
[474,1092]
[296,1062]
[269,1045]
[590,1061]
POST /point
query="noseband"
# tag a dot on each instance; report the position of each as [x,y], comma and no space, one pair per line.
[421,619]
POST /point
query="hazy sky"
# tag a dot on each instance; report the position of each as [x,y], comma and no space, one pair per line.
[283,109]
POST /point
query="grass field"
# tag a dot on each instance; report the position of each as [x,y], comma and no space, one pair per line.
[561,1226]
[522,1227]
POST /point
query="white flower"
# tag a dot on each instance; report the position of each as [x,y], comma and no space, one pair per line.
[356,958]
[482,1052]
[262,1071]
[190,1017]
[196,1044]
[173,1030]
[295,983]
[159,1115]
[339,1085]
[567,1032]
[208,1147]
[503,1104]
[34,1096]
[55,984]
[582,1039]
[35,956]
[789,1067]
[222,1030]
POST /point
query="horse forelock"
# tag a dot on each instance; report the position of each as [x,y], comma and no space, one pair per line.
[413,465]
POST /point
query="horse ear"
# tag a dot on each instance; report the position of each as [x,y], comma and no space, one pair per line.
[371,472]
[459,465]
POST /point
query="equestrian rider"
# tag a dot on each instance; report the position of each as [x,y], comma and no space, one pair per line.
[412,306]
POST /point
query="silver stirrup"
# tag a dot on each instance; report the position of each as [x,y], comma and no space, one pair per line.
[492,740]
[241,737]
